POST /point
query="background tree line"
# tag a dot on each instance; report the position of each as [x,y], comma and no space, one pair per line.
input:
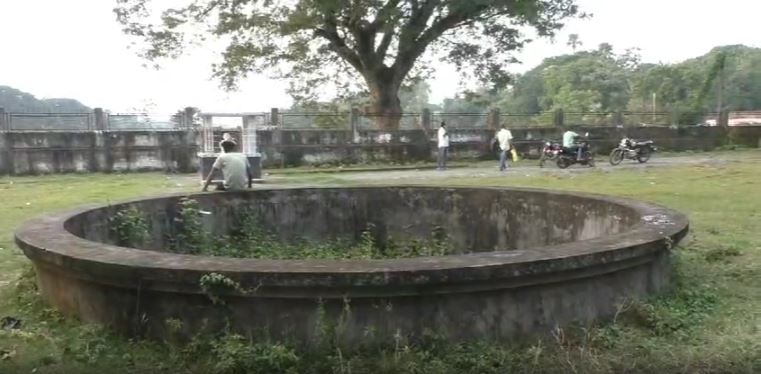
[599,80]
[14,100]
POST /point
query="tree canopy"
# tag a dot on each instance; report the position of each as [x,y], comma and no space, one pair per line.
[598,80]
[378,43]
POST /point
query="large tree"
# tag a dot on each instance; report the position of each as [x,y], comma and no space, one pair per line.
[595,81]
[377,42]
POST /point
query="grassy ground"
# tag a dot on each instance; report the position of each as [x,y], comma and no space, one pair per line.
[46,340]
[377,166]
[711,323]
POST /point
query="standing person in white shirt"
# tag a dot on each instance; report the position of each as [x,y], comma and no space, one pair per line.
[443,146]
[504,138]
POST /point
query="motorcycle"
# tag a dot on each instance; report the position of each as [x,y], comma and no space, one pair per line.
[568,157]
[550,151]
[632,150]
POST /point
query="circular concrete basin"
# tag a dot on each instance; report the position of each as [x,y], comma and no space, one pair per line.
[524,261]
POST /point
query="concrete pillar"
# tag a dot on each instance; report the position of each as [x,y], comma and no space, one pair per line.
[275,117]
[425,120]
[354,121]
[101,119]
[277,134]
[187,117]
[675,117]
[618,119]
[559,119]
[5,124]
[723,119]
[92,156]
[10,154]
[492,120]
[248,136]
[275,122]
[207,134]
[206,120]
[107,140]
[4,154]
[189,147]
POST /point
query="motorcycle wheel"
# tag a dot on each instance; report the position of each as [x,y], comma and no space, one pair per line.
[644,155]
[616,156]
[563,162]
[591,161]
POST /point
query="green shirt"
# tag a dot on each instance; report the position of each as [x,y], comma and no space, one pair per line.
[568,138]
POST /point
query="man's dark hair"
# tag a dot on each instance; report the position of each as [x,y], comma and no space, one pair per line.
[228,146]
[443,123]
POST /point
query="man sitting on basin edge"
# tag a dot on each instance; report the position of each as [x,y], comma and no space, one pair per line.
[235,169]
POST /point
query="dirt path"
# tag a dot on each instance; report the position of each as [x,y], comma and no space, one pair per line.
[489,169]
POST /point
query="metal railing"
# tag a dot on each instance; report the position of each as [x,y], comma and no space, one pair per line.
[140,121]
[513,120]
[50,121]
[96,120]
[356,120]
[406,121]
[461,120]
[315,120]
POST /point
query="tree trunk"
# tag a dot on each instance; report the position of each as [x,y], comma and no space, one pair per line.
[386,107]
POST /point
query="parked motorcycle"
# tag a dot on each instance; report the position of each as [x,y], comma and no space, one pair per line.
[632,150]
[568,157]
[550,151]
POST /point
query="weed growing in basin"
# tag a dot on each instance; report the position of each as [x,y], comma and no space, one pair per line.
[250,239]
[213,284]
[129,226]
[188,236]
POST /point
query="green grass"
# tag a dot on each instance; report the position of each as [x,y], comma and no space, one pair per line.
[45,337]
[27,197]
[711,323]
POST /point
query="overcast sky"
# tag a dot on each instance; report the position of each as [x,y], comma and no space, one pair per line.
[74,48]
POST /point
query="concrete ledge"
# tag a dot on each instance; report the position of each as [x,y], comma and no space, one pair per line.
[539,259]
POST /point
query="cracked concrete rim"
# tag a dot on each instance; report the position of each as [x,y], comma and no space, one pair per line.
[48,243]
